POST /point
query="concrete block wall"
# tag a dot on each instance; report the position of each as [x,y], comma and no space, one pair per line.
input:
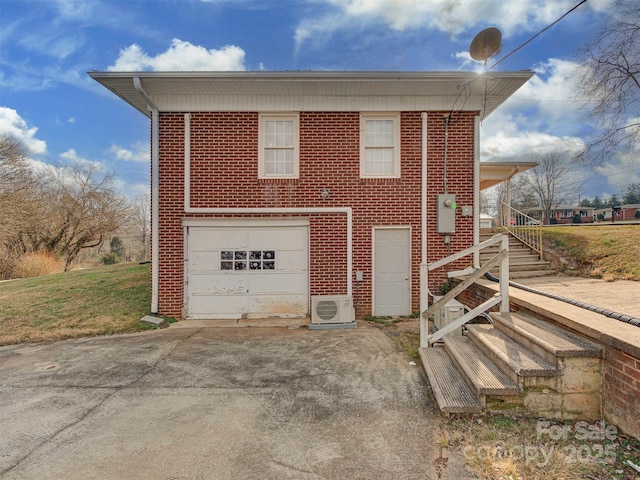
[224,173]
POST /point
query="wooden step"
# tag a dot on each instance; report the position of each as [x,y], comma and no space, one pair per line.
[484,376]
[451,391]
[543,337]
[514,359]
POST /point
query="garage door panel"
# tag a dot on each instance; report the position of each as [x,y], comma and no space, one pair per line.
[283,305]
[246,270]
[291,260]
[281,284]
[204,261]
[209,239]
[218,284]
[200,307]
[281,236]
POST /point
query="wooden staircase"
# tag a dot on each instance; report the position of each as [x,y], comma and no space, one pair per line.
[523,261]
[519,363]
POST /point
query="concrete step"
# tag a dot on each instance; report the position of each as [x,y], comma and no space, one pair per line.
[525,260]
[451,391]
[544,338]
[513,254]
[530,274]
[512,242]
[515,360]
[525,267]
[480,373]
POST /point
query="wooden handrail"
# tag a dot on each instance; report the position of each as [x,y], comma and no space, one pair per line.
[501,297]
[523,227]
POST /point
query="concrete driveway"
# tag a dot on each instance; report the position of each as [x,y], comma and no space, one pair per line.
[218,403]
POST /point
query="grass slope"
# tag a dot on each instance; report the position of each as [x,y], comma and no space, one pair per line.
[609,252]
[81,303]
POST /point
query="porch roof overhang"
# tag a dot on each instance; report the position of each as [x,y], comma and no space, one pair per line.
[313,91]
[493,173]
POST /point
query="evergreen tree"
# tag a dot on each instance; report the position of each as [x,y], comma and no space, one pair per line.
[597,203]
[632,195]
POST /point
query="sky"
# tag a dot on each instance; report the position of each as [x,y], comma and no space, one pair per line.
[48,101]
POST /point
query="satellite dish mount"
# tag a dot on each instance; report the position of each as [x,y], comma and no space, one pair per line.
[486,44]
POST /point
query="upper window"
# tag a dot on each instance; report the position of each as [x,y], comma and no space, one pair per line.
[278,143]
[379,145]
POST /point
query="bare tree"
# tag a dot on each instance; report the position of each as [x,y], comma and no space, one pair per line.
[609,82]
[16,180]
[142,222]
[18,201]
[553,182]
[60,211]
[79,210]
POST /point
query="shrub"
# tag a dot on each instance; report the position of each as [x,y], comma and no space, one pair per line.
[34,264]
[110,259]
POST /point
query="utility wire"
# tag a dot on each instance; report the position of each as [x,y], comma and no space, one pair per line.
[537,35]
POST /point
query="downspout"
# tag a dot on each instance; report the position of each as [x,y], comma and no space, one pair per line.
[506,218]
[155,195]
[424,188]
[424,278]
[476,189]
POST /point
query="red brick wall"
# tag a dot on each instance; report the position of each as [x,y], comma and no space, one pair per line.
[622,390]
[171,209]
[224,173]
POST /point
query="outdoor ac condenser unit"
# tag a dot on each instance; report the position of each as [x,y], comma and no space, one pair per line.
[451,311]
[332,309]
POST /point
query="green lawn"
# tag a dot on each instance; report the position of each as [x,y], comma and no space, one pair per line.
[610,252]
[97,301]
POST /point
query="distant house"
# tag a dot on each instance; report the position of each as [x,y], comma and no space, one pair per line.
[622,212]
[486,221]
[271,188]
[564,215]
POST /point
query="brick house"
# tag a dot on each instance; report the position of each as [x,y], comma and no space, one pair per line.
[563,214]
[272,188]
[622,212]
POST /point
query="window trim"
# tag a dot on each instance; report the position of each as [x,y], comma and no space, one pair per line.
[395,117]
[262,119]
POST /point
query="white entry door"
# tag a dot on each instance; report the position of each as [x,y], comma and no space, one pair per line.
[250,271]
[392,271]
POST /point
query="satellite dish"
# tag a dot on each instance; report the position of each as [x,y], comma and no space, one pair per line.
[486,44]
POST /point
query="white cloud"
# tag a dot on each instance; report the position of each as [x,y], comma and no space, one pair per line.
[12,124]
[181,56]
[140,153]
[541,117]
[71,157]
[623,170]
[524,145]
[449,17]
[52,42]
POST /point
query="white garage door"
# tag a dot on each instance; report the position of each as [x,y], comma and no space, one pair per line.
[247,270]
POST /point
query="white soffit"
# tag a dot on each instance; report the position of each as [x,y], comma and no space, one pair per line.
[306,91]
[493,173]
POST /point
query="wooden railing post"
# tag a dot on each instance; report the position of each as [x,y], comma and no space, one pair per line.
[526,229]
[503,297]
[504,276]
